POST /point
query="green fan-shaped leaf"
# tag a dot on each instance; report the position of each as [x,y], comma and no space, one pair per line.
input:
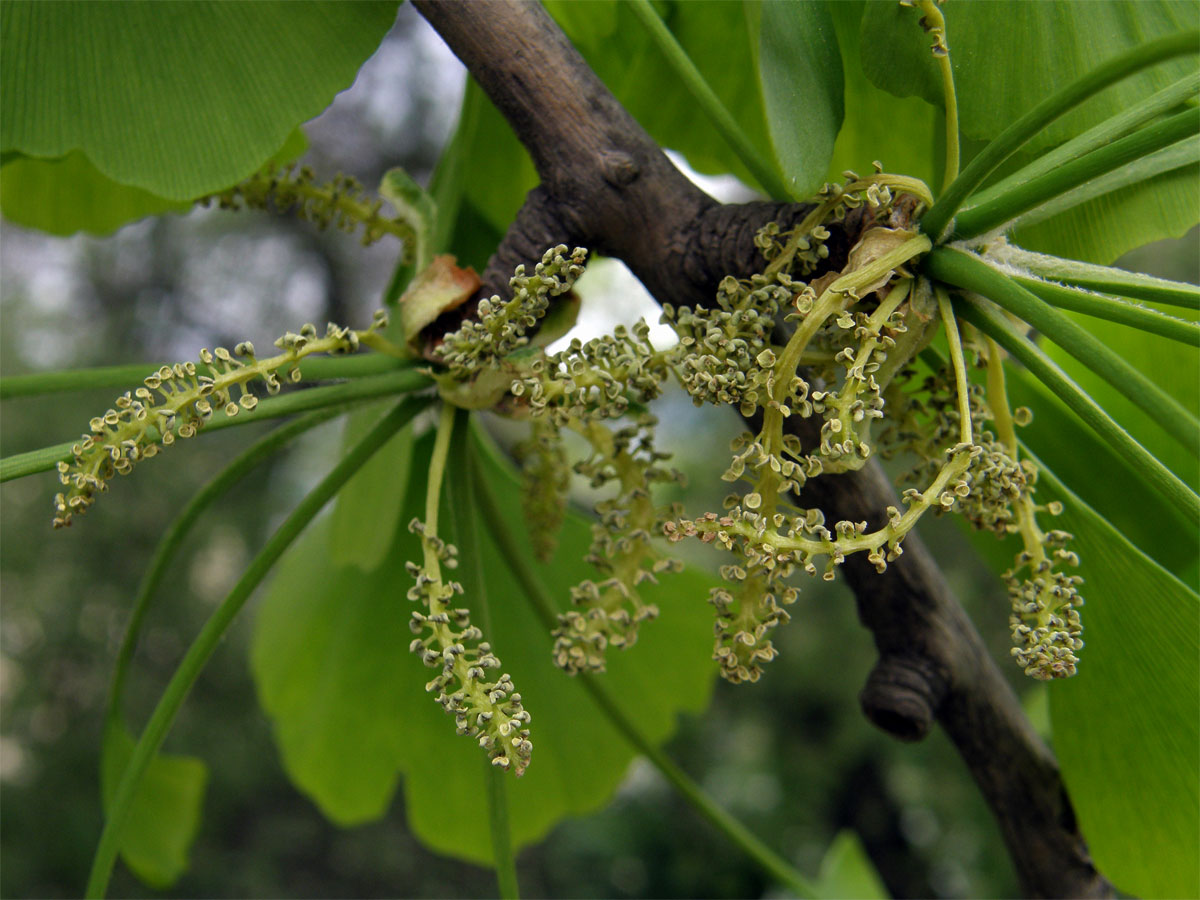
[347,699]
[179,99]
[63,196]
[800,68]
[1125,728]
[166,813]
[500,172]
[990,48]
[367,510]
[847,871]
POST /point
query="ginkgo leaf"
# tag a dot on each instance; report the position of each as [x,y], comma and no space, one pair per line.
[178,99]
[351,716]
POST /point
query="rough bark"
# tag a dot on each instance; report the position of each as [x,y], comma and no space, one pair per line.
[606,185]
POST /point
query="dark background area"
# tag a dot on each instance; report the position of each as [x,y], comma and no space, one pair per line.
[791,756]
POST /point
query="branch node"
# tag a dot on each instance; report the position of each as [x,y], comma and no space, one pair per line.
[902,695]
[619,169]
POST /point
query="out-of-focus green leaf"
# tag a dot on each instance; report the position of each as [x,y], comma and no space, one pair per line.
[847,871]
[63,196]
[177,99]
[587,22]
[800,69]
[347,699]
[717,38]
[166,812]
[1125,728]
[367,509]
[902,133]
[498,173]
[993,47]
[1100,476]
[1103,228]
[66,195]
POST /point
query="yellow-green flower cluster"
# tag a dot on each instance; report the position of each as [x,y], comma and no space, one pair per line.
[485,706]
[724,354]
[848,363]
[545,479]
[1045,620]
[341,202]
[502,327]
[598,379]
[856,329]
[609,611]
[178,401]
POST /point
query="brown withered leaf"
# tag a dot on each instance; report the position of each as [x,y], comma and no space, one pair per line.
[874,243]
[442,286]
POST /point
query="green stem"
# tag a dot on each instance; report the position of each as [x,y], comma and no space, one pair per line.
[1181,155]
[965,433]
[1002,417]
[535,592]
[983,217]
[1092,139]
[1113,309]
[320,369]
[1097,278]
[935,221]
[181,527]
[935,22]
[464,507]
[967,271]
[771,863]
[502,853]
[400,382]
[992,323]
[710,104]
[214,629]
[437,468]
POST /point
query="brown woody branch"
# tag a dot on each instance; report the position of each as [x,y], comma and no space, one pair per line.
[606,185]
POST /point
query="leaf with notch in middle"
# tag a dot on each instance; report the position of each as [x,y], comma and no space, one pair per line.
[330,659]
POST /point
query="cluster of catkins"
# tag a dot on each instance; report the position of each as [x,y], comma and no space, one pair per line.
[579,389]
[485,708]
[178,400]
[1045,621]
[342,202]
[851,360]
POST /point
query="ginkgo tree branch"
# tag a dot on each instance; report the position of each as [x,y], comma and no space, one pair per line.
[606,185]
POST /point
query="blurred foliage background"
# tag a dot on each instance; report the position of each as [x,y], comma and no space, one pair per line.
[792,756]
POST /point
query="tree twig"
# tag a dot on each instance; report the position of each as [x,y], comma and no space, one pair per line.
[607,185]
